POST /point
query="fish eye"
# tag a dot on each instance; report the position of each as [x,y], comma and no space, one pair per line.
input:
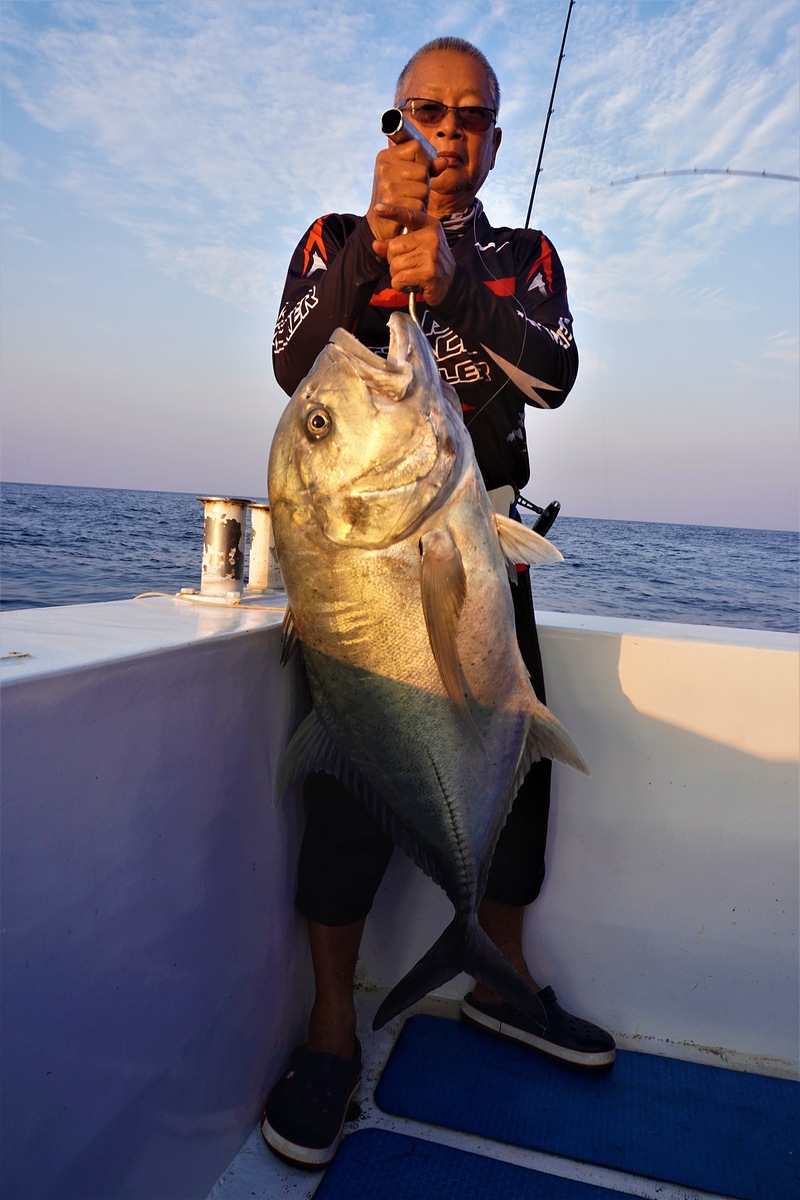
[318,422]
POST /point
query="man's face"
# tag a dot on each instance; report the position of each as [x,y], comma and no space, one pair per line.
[455,79]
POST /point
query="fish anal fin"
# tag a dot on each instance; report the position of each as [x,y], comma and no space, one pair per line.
[443,587]
[310,750]
[521,545]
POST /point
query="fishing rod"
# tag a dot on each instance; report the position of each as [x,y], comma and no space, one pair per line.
[549,114]
[694,171]
[548,514]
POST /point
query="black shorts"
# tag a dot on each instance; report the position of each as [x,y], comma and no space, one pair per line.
[344,854]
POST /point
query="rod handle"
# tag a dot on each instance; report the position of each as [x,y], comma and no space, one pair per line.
[398,130]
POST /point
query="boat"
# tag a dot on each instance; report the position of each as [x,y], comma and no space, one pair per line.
[155,974]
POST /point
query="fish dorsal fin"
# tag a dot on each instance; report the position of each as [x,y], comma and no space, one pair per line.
[310,750]
[521,545]
[289,638]
[443,586]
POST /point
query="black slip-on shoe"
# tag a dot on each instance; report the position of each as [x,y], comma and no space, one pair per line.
[567,1039]
[305,1111]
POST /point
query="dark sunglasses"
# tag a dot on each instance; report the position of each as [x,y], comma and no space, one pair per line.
[431,112]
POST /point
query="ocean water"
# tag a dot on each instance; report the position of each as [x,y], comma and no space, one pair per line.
[67,545]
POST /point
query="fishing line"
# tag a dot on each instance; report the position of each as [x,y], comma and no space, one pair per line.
[602,410]
[520,313]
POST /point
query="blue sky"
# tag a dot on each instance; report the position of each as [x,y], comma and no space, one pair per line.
[161,159]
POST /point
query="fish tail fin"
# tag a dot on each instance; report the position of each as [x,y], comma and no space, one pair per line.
[444,960]
[461,948]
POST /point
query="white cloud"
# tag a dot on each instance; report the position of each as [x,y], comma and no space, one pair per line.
[785,347]
[14,229]
[194,125]
[247,278]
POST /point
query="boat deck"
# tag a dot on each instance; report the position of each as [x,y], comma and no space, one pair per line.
[256,1174]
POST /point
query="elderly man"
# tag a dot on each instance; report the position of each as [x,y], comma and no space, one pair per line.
[493,305]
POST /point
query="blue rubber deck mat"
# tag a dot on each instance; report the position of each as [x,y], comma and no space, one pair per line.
[685,1123]
[374,1164]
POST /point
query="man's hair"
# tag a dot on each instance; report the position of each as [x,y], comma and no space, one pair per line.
[461,47]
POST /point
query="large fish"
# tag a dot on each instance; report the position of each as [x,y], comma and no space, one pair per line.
[396,570]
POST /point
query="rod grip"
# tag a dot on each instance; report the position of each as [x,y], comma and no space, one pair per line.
[398,129]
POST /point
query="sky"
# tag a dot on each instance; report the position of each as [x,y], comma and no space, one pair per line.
[161,159]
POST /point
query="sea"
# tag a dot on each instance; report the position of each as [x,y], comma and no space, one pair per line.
[77,545]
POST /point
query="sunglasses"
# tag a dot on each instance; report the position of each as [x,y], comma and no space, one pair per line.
[431,112]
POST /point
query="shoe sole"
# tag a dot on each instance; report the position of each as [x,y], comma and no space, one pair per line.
[306,1156]
[590,1061]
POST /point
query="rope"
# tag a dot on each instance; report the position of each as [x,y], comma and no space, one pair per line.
[213,603]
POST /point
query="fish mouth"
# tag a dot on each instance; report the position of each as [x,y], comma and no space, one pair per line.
[394,374]
[353,348]
[396,362]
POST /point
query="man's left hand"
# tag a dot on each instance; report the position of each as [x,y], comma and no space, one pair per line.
[420,259]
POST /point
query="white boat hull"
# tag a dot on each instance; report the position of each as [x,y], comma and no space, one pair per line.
[155,972]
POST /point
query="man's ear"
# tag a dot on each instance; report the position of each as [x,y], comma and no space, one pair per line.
[498,137]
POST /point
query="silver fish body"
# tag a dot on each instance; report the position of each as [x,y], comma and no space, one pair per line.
[396,570]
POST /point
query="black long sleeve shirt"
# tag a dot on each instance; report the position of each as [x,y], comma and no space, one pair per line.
[502,336]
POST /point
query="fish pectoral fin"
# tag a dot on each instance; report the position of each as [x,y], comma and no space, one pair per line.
[547,738]
[521,545]
[289,638]
[443,586]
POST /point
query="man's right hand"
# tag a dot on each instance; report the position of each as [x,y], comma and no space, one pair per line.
[402,178]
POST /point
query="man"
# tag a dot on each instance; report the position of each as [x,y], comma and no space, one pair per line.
[493,304]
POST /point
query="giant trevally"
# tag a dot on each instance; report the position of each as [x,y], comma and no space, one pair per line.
[396,572]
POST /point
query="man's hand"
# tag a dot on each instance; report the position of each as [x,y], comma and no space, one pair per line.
[402,178]
[420,259]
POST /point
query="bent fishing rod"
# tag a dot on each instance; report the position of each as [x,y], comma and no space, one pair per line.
[695,171]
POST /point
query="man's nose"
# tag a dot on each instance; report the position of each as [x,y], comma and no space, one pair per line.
[450,125]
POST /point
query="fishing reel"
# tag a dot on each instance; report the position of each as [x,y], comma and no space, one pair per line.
[546,515]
